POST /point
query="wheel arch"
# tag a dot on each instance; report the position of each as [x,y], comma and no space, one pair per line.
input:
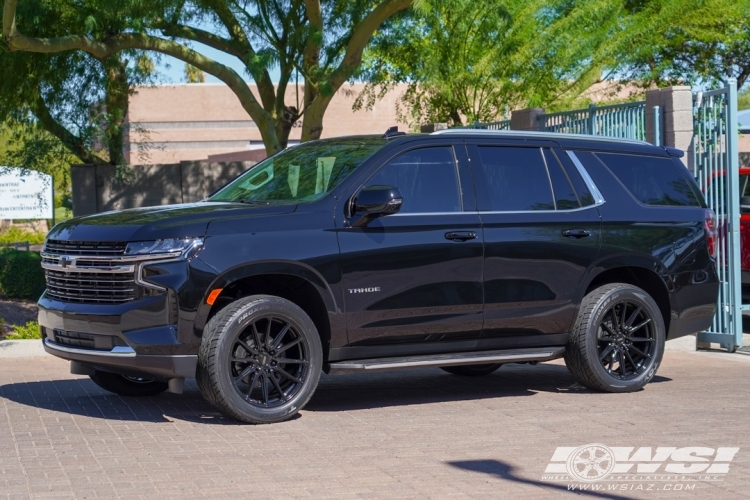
[645,273]
[293,281]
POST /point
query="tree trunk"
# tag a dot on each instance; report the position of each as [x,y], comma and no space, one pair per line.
[312,121]
[117,93]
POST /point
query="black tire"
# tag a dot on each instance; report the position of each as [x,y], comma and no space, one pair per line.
[607,353]
[128,386]
[472,370]
[266,385]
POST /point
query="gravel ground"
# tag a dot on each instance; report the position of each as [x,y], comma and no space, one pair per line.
[16,312]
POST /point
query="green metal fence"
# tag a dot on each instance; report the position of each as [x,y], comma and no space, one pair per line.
[627,121]
[715,161]
[500,125]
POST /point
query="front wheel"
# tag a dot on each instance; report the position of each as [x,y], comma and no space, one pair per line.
[128,386]
[260,360]
[617,342]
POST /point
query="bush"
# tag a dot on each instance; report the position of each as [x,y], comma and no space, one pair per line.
[28,332]
[21,274]
[15,234]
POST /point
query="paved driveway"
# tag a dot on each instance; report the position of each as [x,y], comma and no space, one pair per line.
[414,434]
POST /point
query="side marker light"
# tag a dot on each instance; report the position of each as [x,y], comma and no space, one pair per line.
[213,295]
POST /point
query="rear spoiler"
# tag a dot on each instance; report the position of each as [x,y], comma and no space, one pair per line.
[678,153]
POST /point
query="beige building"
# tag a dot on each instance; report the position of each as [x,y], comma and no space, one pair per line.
[199,121]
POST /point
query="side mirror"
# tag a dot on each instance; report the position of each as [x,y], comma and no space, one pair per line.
[376,201]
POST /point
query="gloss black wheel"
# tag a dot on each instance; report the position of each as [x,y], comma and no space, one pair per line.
[618,339]
[269,362]
[260,359]
[626,340]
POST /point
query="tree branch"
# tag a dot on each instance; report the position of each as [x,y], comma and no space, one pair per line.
[103,49]
[214,41]
[361,36]
[71,141]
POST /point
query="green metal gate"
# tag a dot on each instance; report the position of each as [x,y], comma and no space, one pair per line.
[715,164]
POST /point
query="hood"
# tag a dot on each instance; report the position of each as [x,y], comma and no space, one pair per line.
[152,223]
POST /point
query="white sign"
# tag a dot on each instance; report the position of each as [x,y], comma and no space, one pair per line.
[25,194]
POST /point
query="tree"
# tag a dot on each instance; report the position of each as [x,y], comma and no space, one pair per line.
[467,61]
[321,41]
[706,42]
[79,100]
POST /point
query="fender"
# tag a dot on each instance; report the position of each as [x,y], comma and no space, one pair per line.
[613,261]
[294,268]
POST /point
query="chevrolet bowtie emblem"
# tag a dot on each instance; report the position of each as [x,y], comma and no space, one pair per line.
[65,262]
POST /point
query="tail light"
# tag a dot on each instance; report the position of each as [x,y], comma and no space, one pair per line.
[711,233]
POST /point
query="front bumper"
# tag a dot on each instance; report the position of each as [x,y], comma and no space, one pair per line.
[135,338]
[125,361]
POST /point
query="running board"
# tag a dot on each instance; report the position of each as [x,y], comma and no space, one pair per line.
[455,359]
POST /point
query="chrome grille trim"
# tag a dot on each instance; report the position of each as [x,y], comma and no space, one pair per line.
[96,272]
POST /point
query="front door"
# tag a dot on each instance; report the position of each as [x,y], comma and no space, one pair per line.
[542,236]
[416,277]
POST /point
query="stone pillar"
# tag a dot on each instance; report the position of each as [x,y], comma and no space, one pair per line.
[526,119]
[83,187]
[433,127]
[676,104]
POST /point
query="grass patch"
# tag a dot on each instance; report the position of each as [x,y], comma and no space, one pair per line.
[29,331]
[15,234]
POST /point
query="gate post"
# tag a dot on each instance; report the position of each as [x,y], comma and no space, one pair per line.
[733,169]
[525,119]
[676,110]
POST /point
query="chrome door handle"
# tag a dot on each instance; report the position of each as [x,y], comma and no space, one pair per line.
[576,233]
[460,235]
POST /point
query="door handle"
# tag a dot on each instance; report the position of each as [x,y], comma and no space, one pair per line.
[460,235]
[576,233]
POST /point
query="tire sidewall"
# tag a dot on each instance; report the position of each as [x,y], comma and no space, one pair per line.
[641,298]
[241,319]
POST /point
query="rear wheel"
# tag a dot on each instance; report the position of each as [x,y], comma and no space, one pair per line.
[618,339]
[128,386]
[260,360]
[472,370]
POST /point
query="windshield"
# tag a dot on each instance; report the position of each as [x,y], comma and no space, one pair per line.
[301,174]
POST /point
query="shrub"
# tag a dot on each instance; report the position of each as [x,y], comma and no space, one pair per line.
[21,274]
[27,332]
[15,235]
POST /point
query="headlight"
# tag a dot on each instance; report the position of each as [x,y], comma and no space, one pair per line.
[171,246]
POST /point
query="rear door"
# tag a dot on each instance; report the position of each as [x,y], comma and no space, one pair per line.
[416,277]
[541,235]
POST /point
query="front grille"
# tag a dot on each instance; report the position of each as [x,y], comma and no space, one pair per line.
[97,288]
[86,340]
[68,280]
[89,248]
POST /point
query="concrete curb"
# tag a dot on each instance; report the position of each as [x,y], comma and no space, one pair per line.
[21,349]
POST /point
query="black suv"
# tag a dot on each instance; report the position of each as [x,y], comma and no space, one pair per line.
[461,249]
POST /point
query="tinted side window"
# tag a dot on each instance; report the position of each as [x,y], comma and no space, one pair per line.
[427,179]
[565,197]
[651,180]
[516,178]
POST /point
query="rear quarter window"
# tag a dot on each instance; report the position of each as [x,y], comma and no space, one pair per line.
[652,180]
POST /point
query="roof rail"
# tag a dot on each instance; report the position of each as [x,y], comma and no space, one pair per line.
[538,135]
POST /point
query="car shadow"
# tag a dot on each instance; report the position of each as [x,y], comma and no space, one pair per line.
[503,471]
[81,396]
